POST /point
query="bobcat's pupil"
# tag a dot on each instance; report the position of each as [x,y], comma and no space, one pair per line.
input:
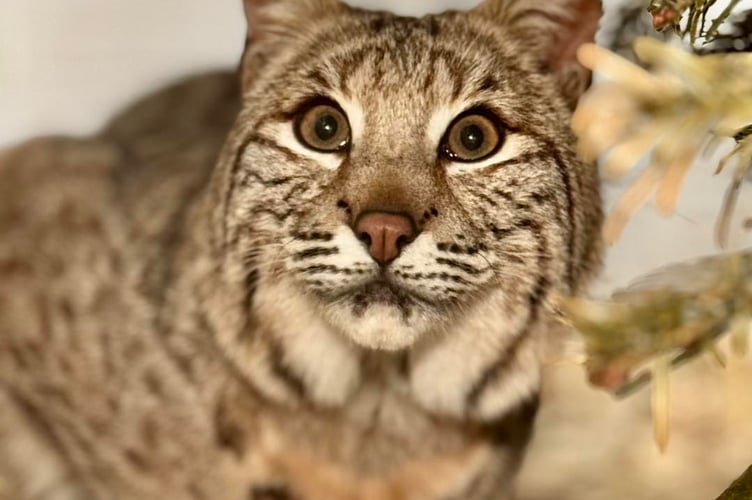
[326,127]
[472,137]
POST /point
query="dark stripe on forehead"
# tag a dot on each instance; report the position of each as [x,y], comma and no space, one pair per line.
[457,70]
[378,59]
[546,16]
[393,37]
[432,25]
[430,76]
[378,62]
[320,78]
[348,66]
[487,84]
[321,46]
[356,44]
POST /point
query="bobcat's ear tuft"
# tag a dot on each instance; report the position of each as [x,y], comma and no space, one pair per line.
[553,29]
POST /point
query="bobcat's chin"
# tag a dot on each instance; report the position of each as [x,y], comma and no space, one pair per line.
[379,316]
[381,326]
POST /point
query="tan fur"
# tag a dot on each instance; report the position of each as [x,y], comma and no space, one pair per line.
[185,319]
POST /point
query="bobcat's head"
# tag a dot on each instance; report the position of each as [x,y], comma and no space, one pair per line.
[395,174]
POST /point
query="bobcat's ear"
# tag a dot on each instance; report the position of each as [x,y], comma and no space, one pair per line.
[553,29]
[284,18]
[271,22]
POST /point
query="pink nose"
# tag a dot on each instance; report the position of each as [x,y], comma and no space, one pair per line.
[385,234]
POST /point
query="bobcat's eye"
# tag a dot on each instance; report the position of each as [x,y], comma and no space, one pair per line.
[473,136]
[323,127]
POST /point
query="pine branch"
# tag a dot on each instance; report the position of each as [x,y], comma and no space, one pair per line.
[689,19]
[741,489]
[712,33]
[739,38]
[683,104]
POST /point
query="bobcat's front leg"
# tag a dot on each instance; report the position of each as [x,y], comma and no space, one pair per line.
[461,475]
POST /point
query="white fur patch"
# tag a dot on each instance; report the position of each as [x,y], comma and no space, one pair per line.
[441,119]
[420,255]
[422,258]
[519,381]
[351,248]
[514,145]
[447,366]
[327,363]
[352,254]
[380,326]
[355,116]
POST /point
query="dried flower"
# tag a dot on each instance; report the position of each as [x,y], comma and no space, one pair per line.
[670,14]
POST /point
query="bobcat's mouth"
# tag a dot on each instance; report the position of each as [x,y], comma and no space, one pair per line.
[381,292]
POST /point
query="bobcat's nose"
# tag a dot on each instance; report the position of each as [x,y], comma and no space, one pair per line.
[385,234]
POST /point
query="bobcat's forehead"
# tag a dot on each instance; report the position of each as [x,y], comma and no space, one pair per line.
[395,70]
[401,82]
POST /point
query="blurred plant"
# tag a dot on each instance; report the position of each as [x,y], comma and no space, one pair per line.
[623,23]
[662,321]
[674,111]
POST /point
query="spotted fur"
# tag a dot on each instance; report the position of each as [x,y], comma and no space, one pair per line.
[172,326]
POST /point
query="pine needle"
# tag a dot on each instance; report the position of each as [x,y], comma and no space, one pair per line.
[660,402]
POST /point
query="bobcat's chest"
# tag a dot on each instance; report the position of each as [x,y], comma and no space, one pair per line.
[325,419]
[379,446]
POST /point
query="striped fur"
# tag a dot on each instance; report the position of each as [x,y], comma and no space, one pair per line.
[172,326]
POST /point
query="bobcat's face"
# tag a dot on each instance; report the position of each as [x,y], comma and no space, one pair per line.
[395,172]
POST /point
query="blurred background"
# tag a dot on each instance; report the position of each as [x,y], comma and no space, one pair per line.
[65,67]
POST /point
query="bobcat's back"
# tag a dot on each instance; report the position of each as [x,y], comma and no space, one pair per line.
[88,227]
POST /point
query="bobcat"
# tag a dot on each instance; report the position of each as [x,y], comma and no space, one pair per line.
[325,278]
